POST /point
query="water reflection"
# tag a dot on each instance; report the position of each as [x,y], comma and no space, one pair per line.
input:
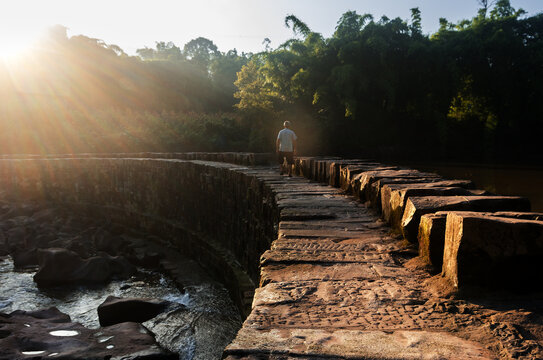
[501,180]
[38,352]
[199,324]
[64,333]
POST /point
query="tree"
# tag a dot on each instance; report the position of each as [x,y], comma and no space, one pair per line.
[298,26]
[201,51]
[503,9]
[485,6]
[163,51]
[416,21]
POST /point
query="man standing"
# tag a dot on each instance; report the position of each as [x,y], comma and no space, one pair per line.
[286,147]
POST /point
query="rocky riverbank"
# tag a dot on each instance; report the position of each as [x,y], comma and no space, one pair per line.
[58,268]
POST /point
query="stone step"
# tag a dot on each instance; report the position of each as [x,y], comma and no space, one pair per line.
[353,344]
[391,185]
[491,251]
[398,199]
[418,206]
[432,227]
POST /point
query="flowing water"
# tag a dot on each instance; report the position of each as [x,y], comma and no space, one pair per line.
[198,324]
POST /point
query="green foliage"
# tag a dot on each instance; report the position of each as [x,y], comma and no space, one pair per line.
[469,91]
[377,88]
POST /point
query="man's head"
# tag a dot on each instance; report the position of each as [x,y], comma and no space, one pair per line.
[286,124]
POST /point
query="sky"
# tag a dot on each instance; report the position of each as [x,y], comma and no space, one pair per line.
[240,24]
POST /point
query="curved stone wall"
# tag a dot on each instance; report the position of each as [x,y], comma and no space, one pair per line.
[220,214]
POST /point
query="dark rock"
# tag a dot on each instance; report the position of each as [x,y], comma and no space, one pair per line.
[490,251]
[45,215]
[117,310]
[105,241]
[142,257]
[15,238]
[40,240]
[62,266]
[3,245]
[50,334]
[418,206]
[24,258]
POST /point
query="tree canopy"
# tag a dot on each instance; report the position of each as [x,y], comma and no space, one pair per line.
[382,88]
[376,87]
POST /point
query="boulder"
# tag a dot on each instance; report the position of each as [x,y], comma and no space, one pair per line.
[431,235]
[49,333]
[62,266]
[24,258]
[3,245]
[417,206]
[45,215]
[15,238]
[116,310]
[489,251]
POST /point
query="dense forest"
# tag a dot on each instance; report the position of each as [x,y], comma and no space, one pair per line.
[472,91]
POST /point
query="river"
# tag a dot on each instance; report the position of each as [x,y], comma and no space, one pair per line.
[200,321]
[498,179]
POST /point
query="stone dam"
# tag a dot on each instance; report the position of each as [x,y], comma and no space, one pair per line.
[349,259]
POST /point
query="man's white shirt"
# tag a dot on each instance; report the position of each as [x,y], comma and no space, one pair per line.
[286,137]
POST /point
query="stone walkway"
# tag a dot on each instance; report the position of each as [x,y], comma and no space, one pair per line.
[335,285]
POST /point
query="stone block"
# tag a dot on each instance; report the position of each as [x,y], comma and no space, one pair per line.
[390,185]
[349,171]
[302,166]
[362,182]
[335,170]
[432,227]
[299,343]
[417,206]
[489,251]
[431,238]
[399,197]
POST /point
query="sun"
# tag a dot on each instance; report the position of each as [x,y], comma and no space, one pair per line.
[12,46]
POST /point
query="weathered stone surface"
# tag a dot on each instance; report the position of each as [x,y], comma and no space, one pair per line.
[116,310]
[391,185]
[62,266]
[49,333]
[399,197]
[431,237]
[350,171]
[376,187]
[361,183]
[355,344]
[418,206]
[491,251]
[432,227]
[319,256]
[335,171]
[333,269]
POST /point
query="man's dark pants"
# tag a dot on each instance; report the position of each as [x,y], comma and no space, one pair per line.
[285,154]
